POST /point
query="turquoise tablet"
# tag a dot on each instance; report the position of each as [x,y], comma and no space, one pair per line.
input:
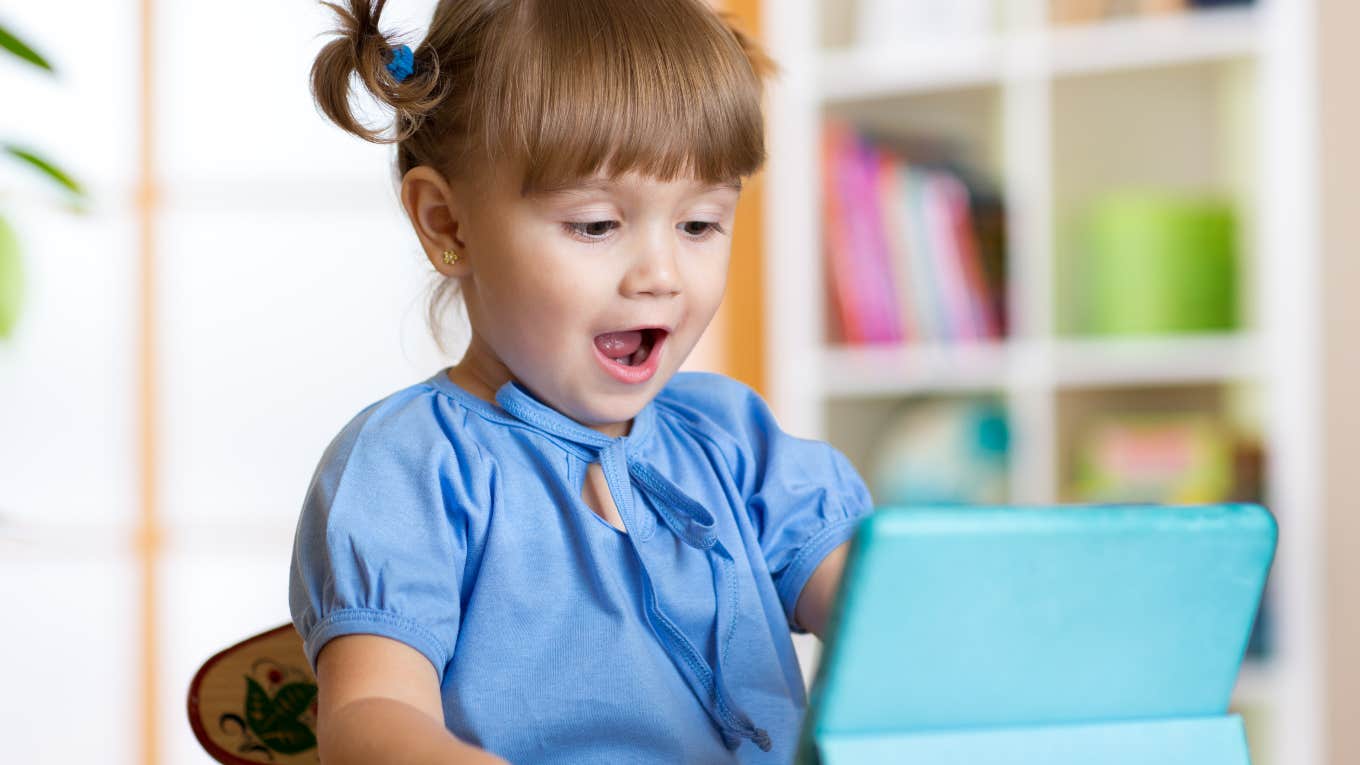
[956,620]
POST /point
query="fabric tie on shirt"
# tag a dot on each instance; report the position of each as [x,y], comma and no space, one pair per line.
[691,522]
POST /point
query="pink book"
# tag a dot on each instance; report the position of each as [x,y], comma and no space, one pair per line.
[835,236]
[892,212]
[879,257]
[861,283]
[872,249]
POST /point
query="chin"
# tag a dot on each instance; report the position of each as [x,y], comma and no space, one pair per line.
[621,409]
[621,406]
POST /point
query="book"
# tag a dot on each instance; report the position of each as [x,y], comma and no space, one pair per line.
[979,306]
[884,324]
[955,303]
[1177,458]
[932,314]
[899,248]
[988,218]
[836,241]
[907,256]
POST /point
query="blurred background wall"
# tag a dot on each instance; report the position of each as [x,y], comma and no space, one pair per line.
[1003,251]
[1339,124]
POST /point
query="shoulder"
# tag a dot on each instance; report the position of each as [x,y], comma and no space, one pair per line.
[410,433]
[721,410]
[722,401]
[705,388]
[400,420]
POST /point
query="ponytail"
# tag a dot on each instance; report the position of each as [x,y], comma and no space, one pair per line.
[360,48]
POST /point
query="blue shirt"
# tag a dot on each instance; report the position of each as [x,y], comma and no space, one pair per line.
[456,526]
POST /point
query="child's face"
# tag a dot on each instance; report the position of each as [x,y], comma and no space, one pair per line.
[559,279]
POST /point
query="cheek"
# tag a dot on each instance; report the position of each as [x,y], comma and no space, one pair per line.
[707,286]
[541,298]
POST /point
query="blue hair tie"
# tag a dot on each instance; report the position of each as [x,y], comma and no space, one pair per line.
[402,64]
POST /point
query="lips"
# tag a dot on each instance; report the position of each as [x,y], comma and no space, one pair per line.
[632,355]
[630,347]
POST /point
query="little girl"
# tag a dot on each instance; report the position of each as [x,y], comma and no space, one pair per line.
[560,549]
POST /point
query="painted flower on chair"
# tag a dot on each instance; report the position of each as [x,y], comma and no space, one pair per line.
[280,712]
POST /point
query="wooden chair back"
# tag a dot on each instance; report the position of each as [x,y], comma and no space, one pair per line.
[255,702]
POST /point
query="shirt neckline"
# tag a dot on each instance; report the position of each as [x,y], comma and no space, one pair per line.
[441,381]
[642,422]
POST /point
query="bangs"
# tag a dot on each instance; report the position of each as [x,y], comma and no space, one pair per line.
[574,89]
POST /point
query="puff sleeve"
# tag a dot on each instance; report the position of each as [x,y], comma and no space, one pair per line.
[380,543]
[803,497]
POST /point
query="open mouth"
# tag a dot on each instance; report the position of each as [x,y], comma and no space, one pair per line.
[630,348]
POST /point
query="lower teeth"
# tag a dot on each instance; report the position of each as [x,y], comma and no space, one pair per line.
[633,359]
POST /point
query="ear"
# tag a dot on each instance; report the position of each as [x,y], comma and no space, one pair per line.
[436,214]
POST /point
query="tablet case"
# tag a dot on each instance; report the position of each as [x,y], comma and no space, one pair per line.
[1054,635]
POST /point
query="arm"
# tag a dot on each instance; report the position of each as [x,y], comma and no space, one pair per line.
[378,701]
[814,603]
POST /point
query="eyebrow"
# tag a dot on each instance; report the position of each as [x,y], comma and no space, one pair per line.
[605,184]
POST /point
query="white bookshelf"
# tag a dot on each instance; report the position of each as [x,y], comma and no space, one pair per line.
[1230,106]
[854,72]
[1065,363]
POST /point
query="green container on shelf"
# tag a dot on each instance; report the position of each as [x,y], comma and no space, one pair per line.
[1159,263]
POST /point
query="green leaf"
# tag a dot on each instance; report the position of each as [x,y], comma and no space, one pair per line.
[11,279]
[259,709]
[293,699]
[289,738]
[16,46]
[47,168]
[275,720]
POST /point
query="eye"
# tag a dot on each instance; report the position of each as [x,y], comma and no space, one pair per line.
[591,231]
[701,229]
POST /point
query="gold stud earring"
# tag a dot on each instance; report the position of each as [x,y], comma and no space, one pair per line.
[450,257]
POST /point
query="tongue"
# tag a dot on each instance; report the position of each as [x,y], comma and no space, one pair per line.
[617,345]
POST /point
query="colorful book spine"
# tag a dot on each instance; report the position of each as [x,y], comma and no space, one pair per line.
[909,257]
[839,265]
[863,293]
[880,296]
[932,314]
[953,291]
[890,191]
[979,304]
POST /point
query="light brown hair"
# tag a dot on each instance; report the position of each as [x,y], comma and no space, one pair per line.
[564,89]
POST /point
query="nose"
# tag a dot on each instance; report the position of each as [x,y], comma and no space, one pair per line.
[654,270]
